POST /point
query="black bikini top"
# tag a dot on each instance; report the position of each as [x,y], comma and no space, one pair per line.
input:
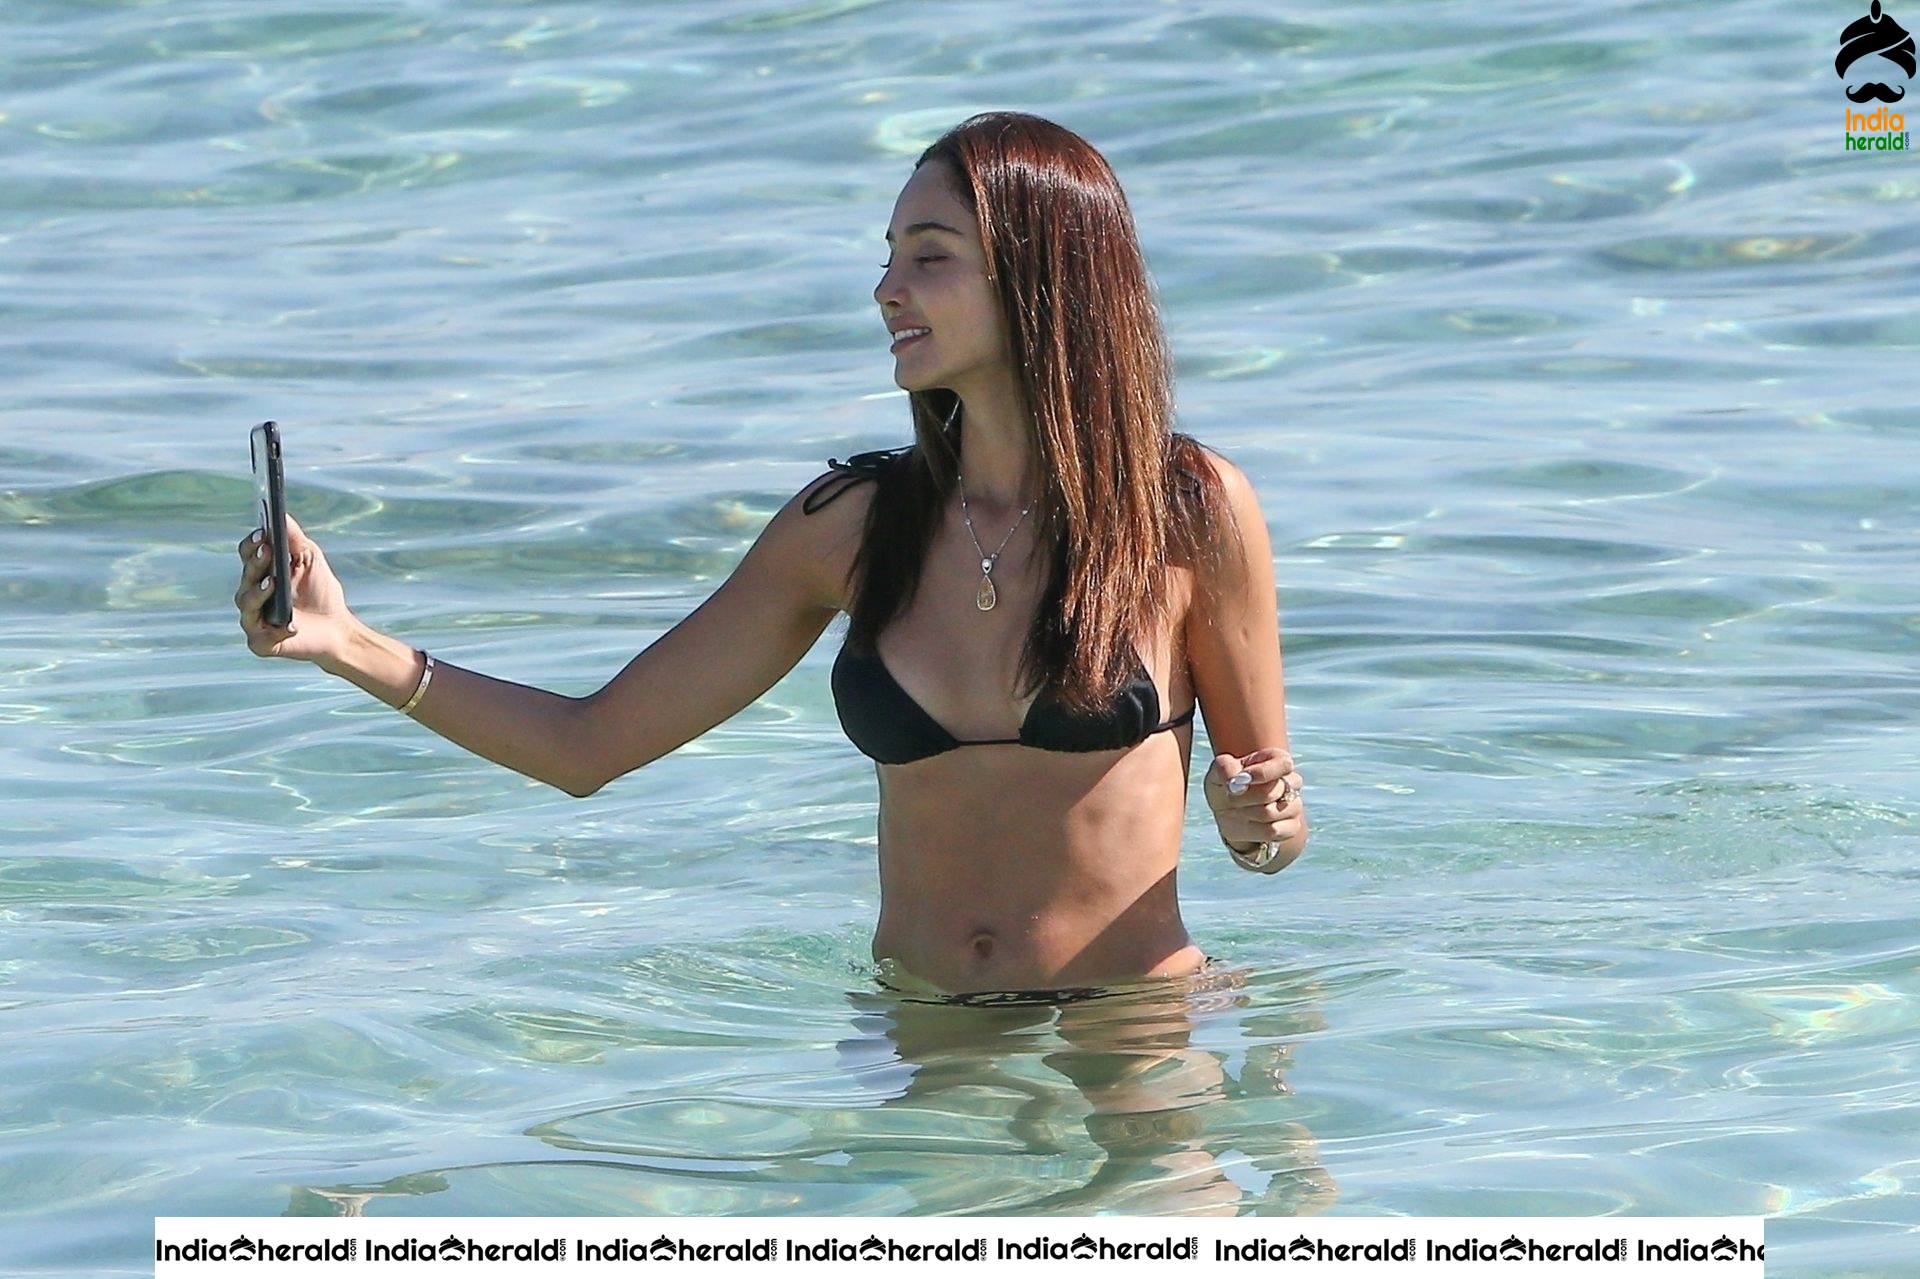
[885,723]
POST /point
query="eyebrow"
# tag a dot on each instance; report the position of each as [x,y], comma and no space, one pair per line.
[918,227]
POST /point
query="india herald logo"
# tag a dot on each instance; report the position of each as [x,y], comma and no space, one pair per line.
[1872,50]
[1875,36]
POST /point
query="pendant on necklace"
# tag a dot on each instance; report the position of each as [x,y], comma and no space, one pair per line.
[984,598]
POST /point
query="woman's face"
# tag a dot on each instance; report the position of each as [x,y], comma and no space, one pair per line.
[936,279]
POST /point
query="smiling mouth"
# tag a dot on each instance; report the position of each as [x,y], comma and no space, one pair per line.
[901,343]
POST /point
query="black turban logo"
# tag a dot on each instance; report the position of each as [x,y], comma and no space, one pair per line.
[1875,34]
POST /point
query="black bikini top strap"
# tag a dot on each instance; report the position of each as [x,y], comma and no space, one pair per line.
[1181,718]
[870,465]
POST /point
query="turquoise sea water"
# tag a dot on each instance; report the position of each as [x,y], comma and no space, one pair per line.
[1574,359]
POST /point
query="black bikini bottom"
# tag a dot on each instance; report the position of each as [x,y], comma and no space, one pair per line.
[1058,995]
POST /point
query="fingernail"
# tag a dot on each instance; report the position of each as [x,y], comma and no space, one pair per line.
[256,534]
[1239,782]
[260,554]
[265,582]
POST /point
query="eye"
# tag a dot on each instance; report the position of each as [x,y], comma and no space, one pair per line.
[930,257]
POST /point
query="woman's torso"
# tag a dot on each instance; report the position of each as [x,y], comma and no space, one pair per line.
[1006,866]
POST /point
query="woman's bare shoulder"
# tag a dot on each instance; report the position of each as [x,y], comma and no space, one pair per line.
[834,505]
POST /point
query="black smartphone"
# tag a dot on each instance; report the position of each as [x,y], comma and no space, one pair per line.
[278,610]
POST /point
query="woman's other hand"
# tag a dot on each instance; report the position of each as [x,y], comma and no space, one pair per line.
[1256,812]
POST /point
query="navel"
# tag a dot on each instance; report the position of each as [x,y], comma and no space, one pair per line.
[982,943]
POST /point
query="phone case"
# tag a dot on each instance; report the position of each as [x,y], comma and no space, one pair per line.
[271,491]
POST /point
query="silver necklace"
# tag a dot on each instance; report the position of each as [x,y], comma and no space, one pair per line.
[985,598]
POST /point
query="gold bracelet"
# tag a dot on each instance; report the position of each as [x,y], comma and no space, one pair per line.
[426,675]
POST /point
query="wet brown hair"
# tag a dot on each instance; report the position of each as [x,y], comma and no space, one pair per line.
[1125,494]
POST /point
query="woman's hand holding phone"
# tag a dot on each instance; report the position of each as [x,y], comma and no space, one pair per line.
[321,623]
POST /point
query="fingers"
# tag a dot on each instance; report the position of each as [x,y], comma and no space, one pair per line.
[1274,810]
[1268,764]
[1274,756]
[1262,767]
[1245,828]
[255,545]
[257,584]
[297,539]
[1268,779]
[256,558]
[1283,803]
[1268,807]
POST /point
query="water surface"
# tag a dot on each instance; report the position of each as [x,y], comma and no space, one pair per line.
[1573,358]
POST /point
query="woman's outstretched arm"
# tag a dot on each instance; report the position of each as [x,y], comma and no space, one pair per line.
[730,650]
[714,663]
[533,731]
[529,730]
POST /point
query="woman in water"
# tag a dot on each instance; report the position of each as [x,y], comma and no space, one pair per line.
[1040,590]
